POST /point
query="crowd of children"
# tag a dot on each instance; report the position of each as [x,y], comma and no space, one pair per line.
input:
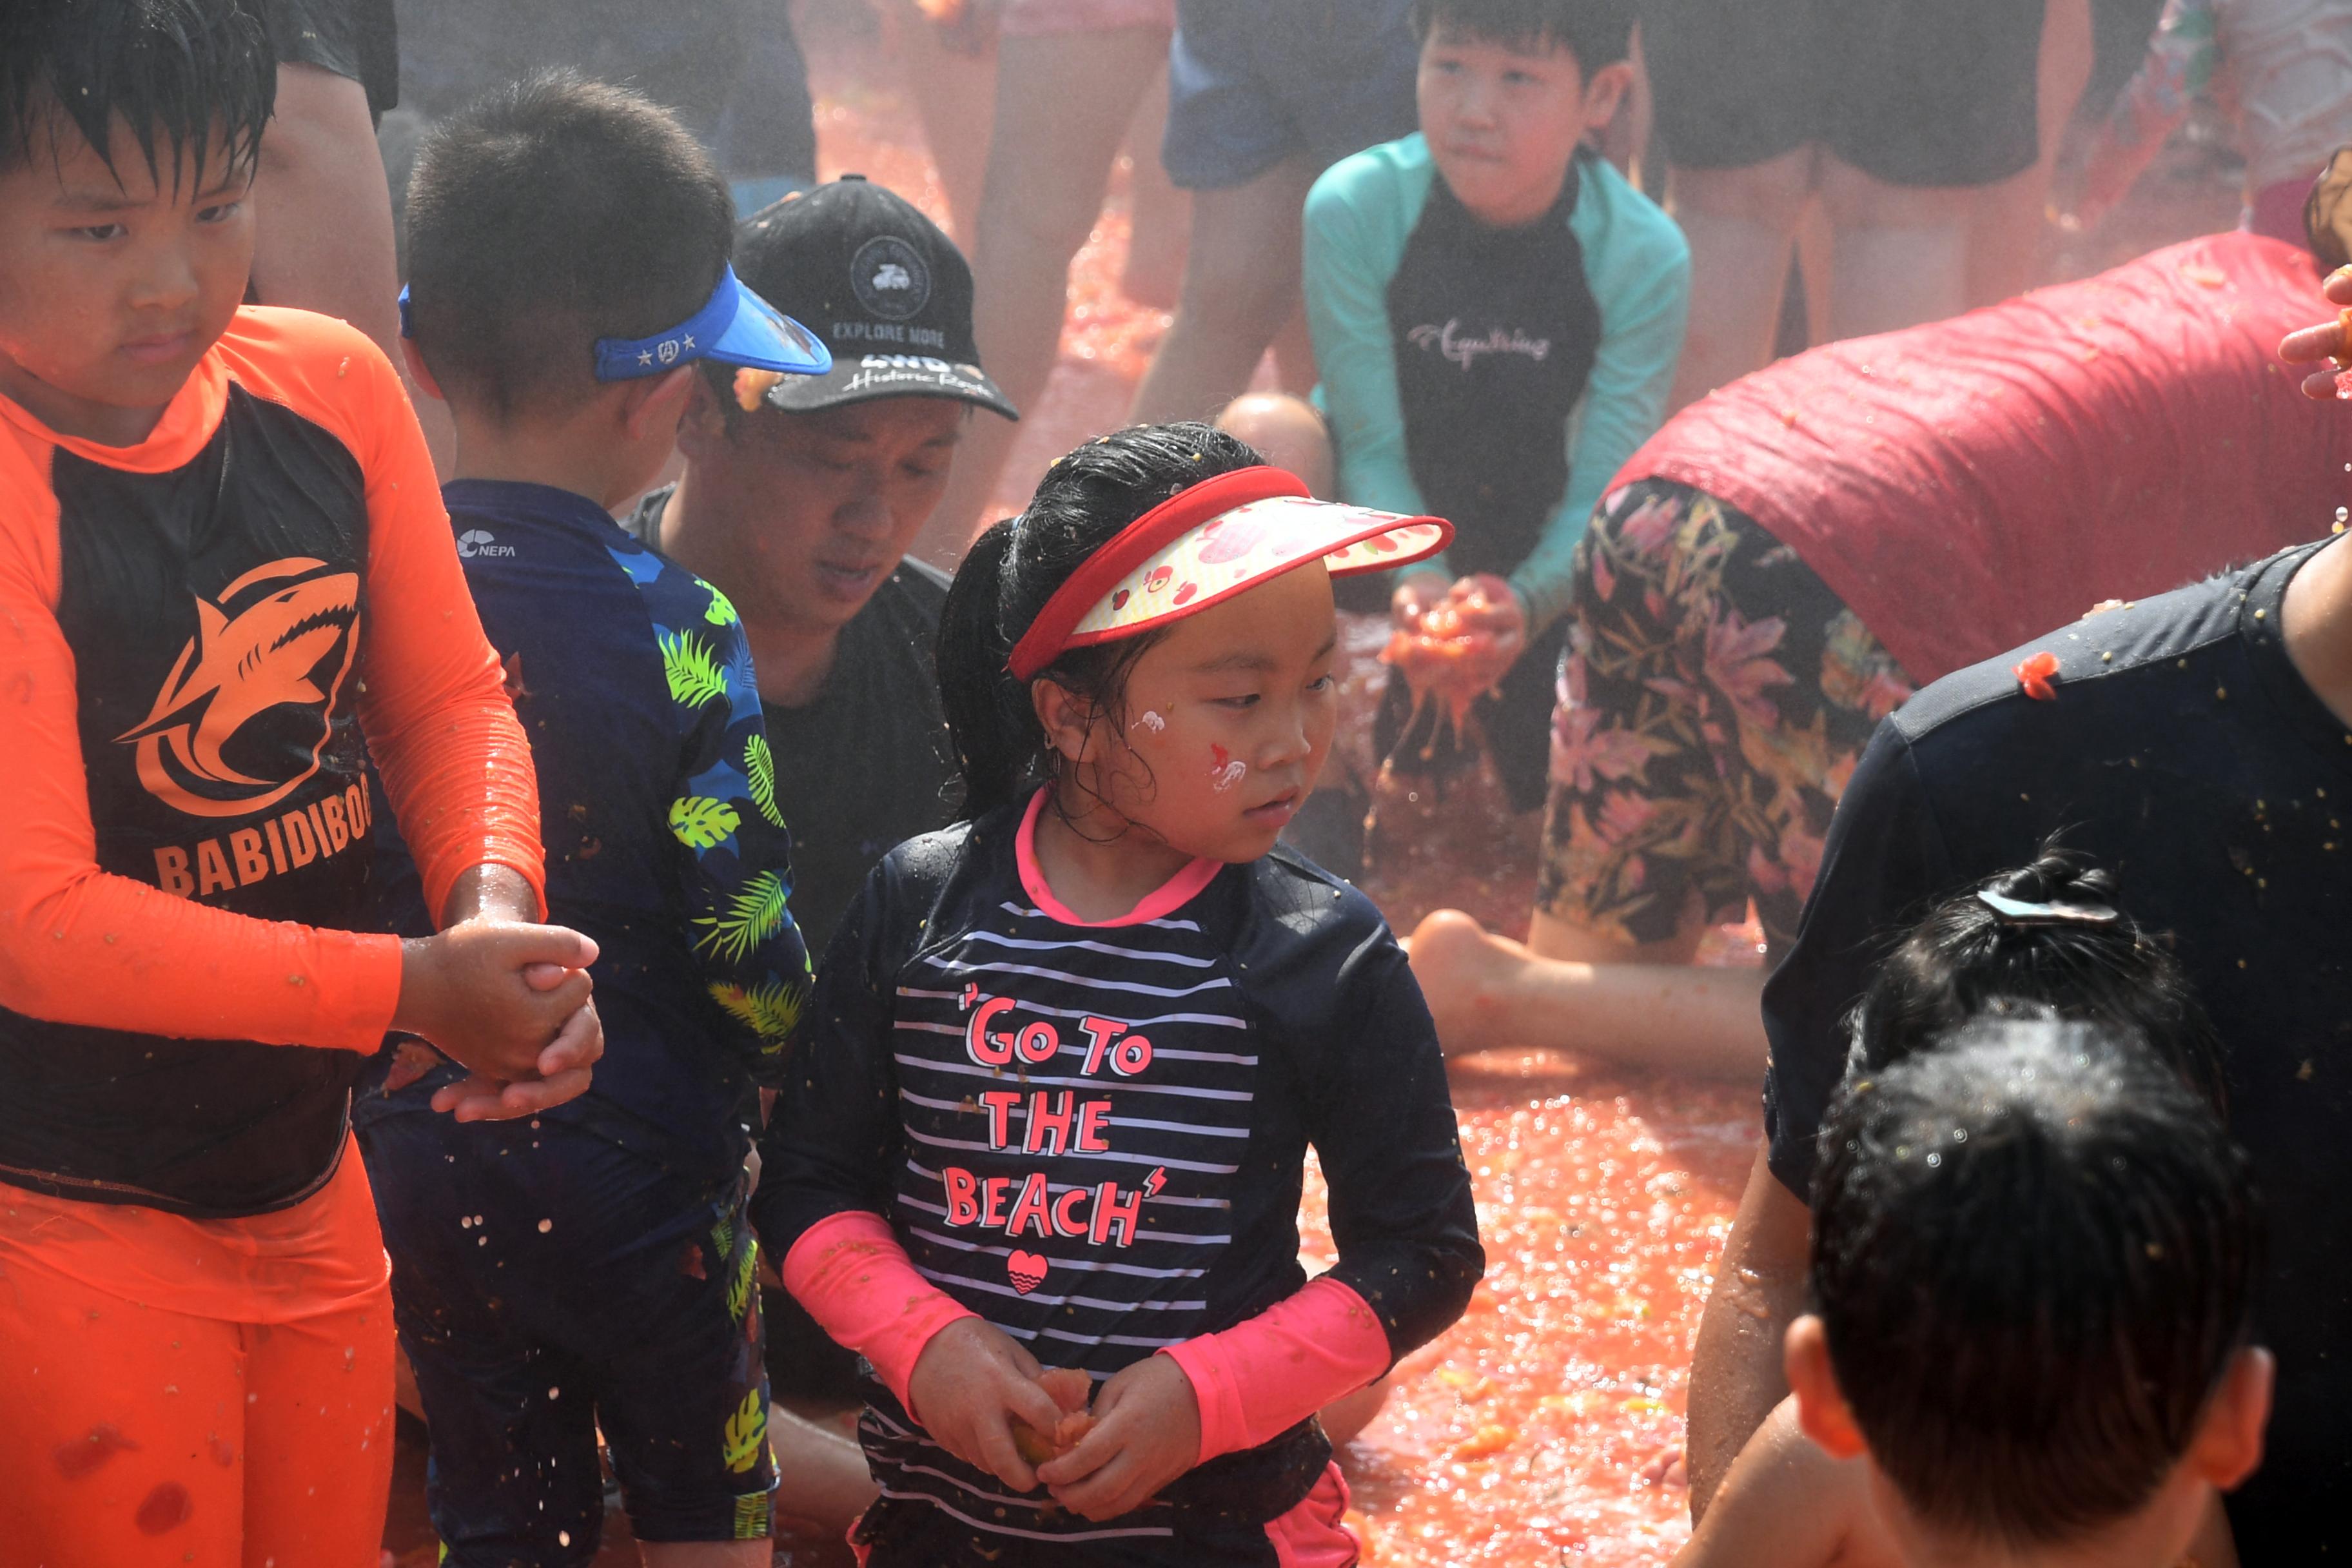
[453,825]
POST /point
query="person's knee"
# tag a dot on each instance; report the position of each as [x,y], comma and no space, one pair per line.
[1032,207]
[1855,199]
[1288,433]
[1772,194]
[1242,265]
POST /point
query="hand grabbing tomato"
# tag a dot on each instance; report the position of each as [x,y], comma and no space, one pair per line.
[1458,644]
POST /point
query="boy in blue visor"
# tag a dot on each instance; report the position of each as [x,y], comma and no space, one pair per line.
[569,269]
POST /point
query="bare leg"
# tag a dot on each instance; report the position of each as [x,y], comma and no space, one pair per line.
[1241,286]
[1063,100]
[1740,224]
[1901,252]
[1644,1006]
[823,1471]
[955,95]
[1289,434]
[2006,237]
[1816,246]
[325,220]
[1161,214]
[1294,355]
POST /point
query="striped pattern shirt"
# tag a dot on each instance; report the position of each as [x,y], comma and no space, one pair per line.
[1093,1137]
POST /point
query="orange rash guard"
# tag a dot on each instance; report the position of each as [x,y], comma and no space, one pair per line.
[195,634]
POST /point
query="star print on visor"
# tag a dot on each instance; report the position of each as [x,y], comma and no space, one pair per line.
[736,326]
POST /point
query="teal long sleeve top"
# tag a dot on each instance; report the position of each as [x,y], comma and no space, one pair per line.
[1360,217]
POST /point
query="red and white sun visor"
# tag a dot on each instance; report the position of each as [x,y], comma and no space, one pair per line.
[1220,537]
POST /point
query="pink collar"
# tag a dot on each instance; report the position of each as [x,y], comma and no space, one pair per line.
[1173,895]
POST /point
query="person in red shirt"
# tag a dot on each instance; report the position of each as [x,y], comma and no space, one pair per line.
[227,584]
[1786,561]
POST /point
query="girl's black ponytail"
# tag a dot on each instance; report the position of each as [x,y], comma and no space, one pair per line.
[1083,502]
[987,709]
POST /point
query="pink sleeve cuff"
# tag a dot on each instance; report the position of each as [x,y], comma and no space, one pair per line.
[1257,1380]
[857,1282]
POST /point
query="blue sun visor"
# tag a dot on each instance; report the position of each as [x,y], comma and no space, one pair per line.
[737,327]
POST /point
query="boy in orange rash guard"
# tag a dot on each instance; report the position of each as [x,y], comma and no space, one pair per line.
[225,582]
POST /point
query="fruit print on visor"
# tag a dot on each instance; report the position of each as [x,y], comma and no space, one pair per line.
[1203,545]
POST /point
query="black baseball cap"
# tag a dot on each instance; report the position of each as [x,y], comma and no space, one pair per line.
[884,288]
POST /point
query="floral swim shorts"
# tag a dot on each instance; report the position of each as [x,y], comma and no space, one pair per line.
[1714,700]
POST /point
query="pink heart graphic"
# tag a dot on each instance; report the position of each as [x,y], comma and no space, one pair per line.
[1027,1270]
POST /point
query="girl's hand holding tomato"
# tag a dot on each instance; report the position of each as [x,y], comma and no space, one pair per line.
[1146,1433]
[971,1385]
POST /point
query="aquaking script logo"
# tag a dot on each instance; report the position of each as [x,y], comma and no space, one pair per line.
[256,687]
[1466,352]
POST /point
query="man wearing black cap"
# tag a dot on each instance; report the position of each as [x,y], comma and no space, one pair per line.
[800,499]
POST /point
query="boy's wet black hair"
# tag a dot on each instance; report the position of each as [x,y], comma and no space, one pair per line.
[2034,1253]
[1598,32]
[1084,500]
[191,80]
[553,212]
[1966,960]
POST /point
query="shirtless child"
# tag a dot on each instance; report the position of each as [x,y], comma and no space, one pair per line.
[2045,939]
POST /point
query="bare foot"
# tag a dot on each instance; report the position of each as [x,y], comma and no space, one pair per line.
[1462,968]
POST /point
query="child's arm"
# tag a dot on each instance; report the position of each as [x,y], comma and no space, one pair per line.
[1380,1117]
[833,1141]
[1381,1120]
[440,726]
[1787,1504]
[726,822]
[2181,59]
[1643,285]
[82,946]
[828,1160]
[1345,274]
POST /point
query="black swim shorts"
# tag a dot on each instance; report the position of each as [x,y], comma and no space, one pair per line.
[1913,92]
[354,38]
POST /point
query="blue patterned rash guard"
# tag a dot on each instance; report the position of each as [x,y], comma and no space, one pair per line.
[658,802]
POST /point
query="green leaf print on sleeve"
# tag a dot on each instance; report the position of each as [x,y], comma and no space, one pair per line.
[696,678]
[722,612]
[754,914]
[702,822]
[759,767]
[769,1011]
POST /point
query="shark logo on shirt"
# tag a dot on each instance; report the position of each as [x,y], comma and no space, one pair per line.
[281,637]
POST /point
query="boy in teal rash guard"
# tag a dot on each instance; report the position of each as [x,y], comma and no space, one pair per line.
[1496,317]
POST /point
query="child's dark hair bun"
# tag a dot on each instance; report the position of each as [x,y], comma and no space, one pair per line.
[2084,960]
[2057,876]
[1013,567]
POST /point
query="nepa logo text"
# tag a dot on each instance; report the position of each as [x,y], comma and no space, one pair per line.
[474,542]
